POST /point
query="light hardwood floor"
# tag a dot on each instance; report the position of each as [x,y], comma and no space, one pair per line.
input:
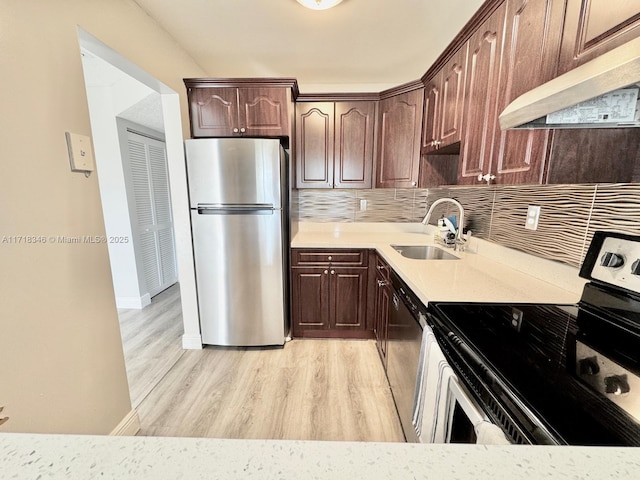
[310,389]
[151,339]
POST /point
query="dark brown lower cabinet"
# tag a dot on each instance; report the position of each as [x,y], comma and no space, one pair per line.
[330,300]
[381,317]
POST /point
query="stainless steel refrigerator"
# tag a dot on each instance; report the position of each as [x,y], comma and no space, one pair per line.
[238,193]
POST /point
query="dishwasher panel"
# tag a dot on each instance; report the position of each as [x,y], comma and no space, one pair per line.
[403,351]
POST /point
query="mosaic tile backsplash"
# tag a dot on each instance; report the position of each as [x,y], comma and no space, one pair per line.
[569,213]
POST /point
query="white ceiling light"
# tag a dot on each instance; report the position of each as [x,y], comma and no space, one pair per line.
[319,4]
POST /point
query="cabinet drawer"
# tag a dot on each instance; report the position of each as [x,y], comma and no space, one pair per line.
[302,257]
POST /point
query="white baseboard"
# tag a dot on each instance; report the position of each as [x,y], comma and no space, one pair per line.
[137,303]
[191,342]
[129,426]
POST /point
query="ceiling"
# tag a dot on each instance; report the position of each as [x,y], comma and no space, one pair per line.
[359,45]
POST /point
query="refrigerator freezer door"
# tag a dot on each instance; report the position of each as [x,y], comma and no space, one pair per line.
[234,171]
[240,277]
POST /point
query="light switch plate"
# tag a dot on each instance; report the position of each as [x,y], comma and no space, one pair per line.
[80,152]
[533,216]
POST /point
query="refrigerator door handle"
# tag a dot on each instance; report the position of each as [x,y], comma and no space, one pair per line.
[236,209]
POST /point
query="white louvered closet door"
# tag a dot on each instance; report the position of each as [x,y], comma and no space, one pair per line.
[154,228]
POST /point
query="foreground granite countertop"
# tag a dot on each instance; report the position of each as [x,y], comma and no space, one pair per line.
[30,456]
[484,273]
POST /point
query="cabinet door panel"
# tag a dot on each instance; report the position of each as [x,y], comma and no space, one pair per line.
[214,112]
[480,98]
[348,298]
[354,135]
[593,27]
[309,299]
[314,145]
[382,316]
[432,104]
[453,77]
[532,38]
[399,142]
[263,111]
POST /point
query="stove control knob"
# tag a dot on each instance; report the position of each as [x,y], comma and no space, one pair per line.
[588,366]
[616,384]
[612,260]
[635,267]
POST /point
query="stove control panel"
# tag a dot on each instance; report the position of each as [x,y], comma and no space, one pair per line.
[614,259]
[609,379]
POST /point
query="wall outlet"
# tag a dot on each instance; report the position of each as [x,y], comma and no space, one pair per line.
[363,205]
[533,216]
[516,319]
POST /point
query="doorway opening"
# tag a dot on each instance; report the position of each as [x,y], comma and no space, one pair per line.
[137,136]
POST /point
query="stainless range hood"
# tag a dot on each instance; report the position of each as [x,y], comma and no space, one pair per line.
[602,93]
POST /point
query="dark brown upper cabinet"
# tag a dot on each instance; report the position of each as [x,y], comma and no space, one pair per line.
[593,27]
[443,104]
[481,86]
[431,115]
[219,109]
[355,135]
[314,144]
[334,144]
[531,45]
[400,123]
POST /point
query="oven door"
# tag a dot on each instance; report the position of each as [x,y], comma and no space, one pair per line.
[499,403]
[463,414]
[466,423]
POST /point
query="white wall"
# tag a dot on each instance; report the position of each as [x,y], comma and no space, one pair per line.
[114,196]
[109,93]
[61,362]
[171,108]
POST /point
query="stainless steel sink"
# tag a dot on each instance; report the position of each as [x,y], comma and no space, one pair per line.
[423,252]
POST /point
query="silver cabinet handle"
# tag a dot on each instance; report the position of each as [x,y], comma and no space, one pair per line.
[235,130]
[414,184]
[333,272]
[326,271]
[382,283]
[242,130]
[329,258]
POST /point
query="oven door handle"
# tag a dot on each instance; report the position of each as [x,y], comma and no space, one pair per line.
[440,327]
[422,319]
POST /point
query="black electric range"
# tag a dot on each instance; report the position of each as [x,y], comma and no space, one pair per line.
[557,374]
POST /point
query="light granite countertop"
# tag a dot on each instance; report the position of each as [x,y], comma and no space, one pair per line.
[486,272]
[75,457]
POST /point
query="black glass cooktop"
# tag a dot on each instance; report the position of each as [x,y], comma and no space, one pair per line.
[574,368]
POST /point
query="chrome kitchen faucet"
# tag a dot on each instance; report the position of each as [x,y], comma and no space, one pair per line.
[460,241]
